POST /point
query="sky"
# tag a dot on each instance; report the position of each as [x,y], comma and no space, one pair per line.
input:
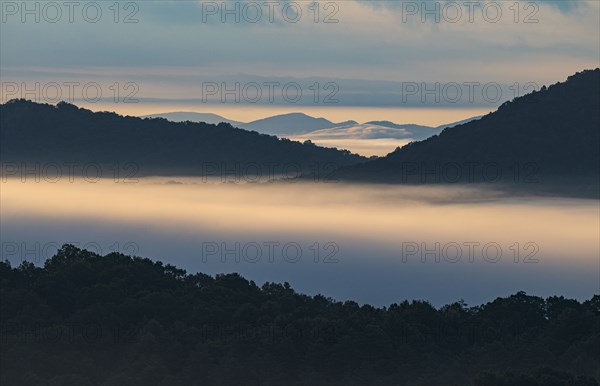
[430,62]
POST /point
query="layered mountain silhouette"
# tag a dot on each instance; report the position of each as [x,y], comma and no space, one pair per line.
[375,138]
[296,124]
[63,133]
[281,125]
[370,138]
[551,136]
[547,138]
[290,124]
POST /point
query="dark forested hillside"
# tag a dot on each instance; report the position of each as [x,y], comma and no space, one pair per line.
[85,319]
[552,135]
[42,133]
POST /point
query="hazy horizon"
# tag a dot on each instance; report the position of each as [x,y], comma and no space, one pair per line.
[425,116]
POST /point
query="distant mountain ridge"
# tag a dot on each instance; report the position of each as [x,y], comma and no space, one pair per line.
[552,135]
[291,123]
[285,124]
[374,137]
[302,127]
[281,125]
[63,133]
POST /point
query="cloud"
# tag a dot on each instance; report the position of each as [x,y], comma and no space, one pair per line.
[370,42]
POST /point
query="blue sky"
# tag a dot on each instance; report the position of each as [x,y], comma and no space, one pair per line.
[368,49]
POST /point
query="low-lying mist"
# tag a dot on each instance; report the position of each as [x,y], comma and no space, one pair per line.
[373,244]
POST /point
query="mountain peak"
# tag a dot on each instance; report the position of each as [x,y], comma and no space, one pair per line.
[290,123]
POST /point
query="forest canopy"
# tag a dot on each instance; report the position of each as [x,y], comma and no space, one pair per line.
[117,319]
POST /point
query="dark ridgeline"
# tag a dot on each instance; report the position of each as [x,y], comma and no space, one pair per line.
[543,139]
[84,319]
[32,132]
[546,141]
